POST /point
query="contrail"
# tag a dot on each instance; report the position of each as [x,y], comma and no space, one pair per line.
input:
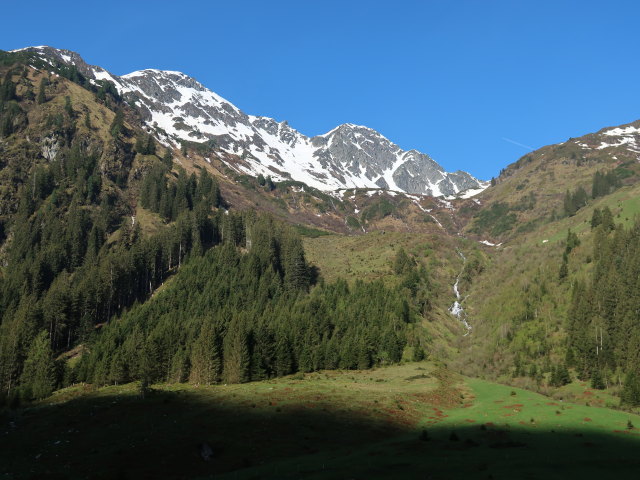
[518,143]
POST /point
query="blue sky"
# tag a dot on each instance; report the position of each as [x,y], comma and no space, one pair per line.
[472,83]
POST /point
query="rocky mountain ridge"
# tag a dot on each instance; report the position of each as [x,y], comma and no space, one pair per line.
[176,108]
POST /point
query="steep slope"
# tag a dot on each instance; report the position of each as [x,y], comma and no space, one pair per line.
[520,302]
[176,108]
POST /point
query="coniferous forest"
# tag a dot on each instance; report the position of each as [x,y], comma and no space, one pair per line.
[211,296]
[602,336]
[239,310]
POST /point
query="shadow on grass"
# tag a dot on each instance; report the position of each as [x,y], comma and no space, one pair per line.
[126,437]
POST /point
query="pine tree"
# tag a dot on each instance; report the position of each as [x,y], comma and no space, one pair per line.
[631,391]
[596,218]
[167,159]
[67,106]
[402,263]
[270,185]
[150,145]
[38,377]
[364,355]
[296,272]
[597,381]
[206,361]
[180,366]
[569,208]
[607,220]
[236,354]
[117,125]
[284,357]
[118,371]
[42,97]
[139,146]
[8,88]
[564,267]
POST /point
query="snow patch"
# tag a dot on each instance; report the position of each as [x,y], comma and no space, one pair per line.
[472,192]
[620,131]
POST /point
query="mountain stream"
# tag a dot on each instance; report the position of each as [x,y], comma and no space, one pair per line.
[456,309]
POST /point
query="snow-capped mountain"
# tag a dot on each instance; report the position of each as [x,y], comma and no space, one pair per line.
[176,107]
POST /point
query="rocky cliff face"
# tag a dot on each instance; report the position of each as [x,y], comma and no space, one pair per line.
[176,107]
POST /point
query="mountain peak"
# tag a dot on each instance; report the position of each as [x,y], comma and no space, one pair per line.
[176,107]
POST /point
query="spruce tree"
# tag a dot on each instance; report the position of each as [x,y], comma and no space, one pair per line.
[236,354]
[596,218]
[67,106]
[607,220]
[117,125]
[597,381]
[296,272]
[284,357]
[167,159]
[42,97]
[150,145]
[38,377]
[564,267]
[206,360]
[631,391]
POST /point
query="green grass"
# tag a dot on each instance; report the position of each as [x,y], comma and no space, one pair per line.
[370,256]
[310,232]
[351,424]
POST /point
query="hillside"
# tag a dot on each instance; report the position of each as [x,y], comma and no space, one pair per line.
[520,303]
[531,192]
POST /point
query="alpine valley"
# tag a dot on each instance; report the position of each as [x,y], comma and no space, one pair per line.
[190,291]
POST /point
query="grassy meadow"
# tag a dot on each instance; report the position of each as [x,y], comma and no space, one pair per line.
[415,420]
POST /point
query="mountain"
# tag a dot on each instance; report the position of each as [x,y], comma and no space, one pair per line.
[564,218]
[177,108]
[123,258]
[531,192]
